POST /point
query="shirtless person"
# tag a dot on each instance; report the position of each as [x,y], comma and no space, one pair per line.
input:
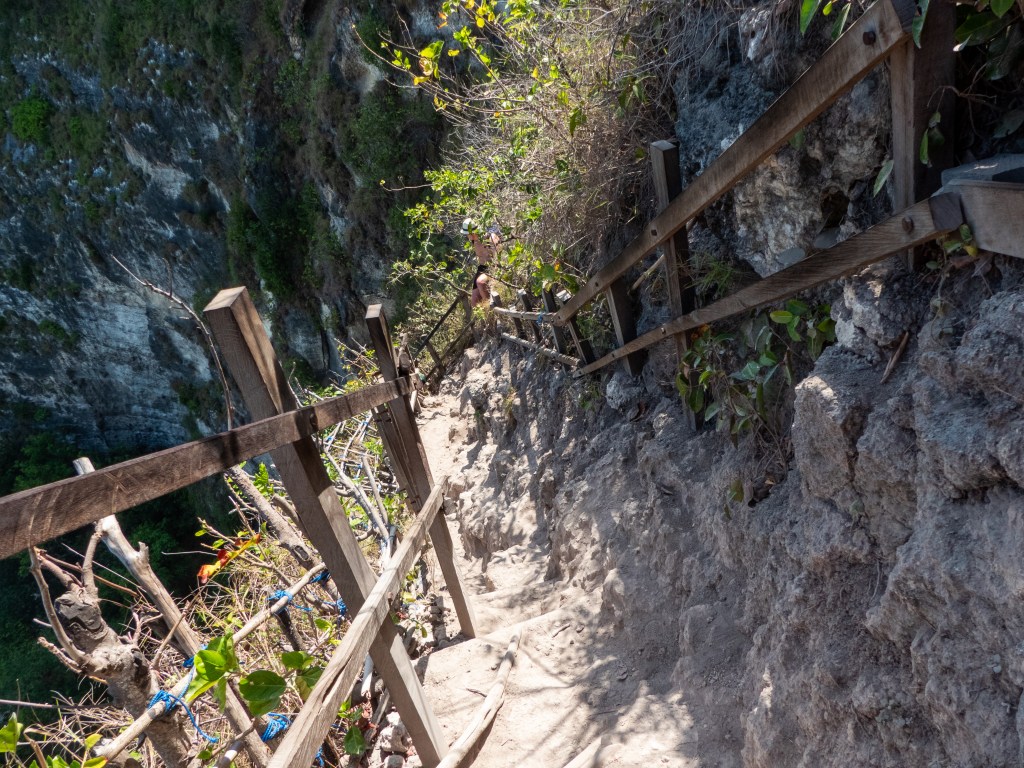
[485,249]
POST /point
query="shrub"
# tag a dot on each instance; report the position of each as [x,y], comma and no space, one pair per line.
[30,119]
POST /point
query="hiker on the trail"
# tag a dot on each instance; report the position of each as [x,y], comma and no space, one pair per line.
[485,248]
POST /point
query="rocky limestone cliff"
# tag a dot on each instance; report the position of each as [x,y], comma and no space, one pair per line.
[866,611]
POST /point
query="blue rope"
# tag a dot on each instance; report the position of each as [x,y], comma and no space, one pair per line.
[171,701]
[540,318]
[321,577]
[320,757]
[282,593]
[278,724]
[340,605]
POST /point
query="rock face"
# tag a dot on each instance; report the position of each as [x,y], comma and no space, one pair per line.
[867,612]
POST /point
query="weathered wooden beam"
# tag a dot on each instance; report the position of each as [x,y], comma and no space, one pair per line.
[921,84]
[572,362]
[251,360]
[301,741]
[620,307]
[919,224]
[527,301]
[863,46]
[994,211]
[40,514]
[417,470]
[668,184]
[551,307]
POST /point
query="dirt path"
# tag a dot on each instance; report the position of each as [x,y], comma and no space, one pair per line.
[576,680]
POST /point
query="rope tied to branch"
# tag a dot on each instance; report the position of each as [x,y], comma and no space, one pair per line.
[278,724]
[282,594]
[171,701]
[321,578]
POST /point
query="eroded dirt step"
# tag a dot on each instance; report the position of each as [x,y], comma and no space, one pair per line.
[506,607]
[570,686]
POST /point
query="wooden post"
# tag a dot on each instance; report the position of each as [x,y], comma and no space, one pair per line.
[921,84]
[682,296]
[583,347]
[417,469]
[550,305]
[527,302]
[255,368]
[622,321]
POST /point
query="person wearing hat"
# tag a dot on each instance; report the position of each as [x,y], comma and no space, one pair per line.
[484,250]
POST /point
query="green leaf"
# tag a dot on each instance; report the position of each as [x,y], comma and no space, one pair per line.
[210,666]
[1000,7]
[576,118]
[295,659]
[10,734]
[797,307]
[262,690]
[355,743]
[798,139]
[95,762]
[882,177]
[840,23]
[433,50]
[323,625]
[92,741]
[1009,123]
[306,681]
[918,23]
[807,10]
[220,692]
[712,411]
[748,372]
[781,316]
[791,330]
[979,28]
[201,532]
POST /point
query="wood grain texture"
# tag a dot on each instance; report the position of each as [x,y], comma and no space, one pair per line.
[668,184]
[40,514]
[527,301]
[921,84]
[620,307]
[551,307]
[995,213]
[841,67]
[927,220]
[243,342]
[572,362]
[301,741]
[417,469]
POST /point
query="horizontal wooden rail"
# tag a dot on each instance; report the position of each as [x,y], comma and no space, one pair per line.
[40,514]
[918,224]
[550,318]
[572,362]
[304,737]
[859,50]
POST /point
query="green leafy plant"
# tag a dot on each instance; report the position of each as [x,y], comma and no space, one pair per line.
[737,378]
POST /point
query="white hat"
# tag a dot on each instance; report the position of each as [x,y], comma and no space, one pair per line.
[467,226]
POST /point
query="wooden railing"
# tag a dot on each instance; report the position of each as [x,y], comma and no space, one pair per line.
[440,360]
[287,432]
[920,80]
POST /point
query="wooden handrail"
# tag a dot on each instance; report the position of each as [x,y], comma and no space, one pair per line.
[918,224]
[430,335]
[572,362]
[860,49]
[306,734]
[40,514]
